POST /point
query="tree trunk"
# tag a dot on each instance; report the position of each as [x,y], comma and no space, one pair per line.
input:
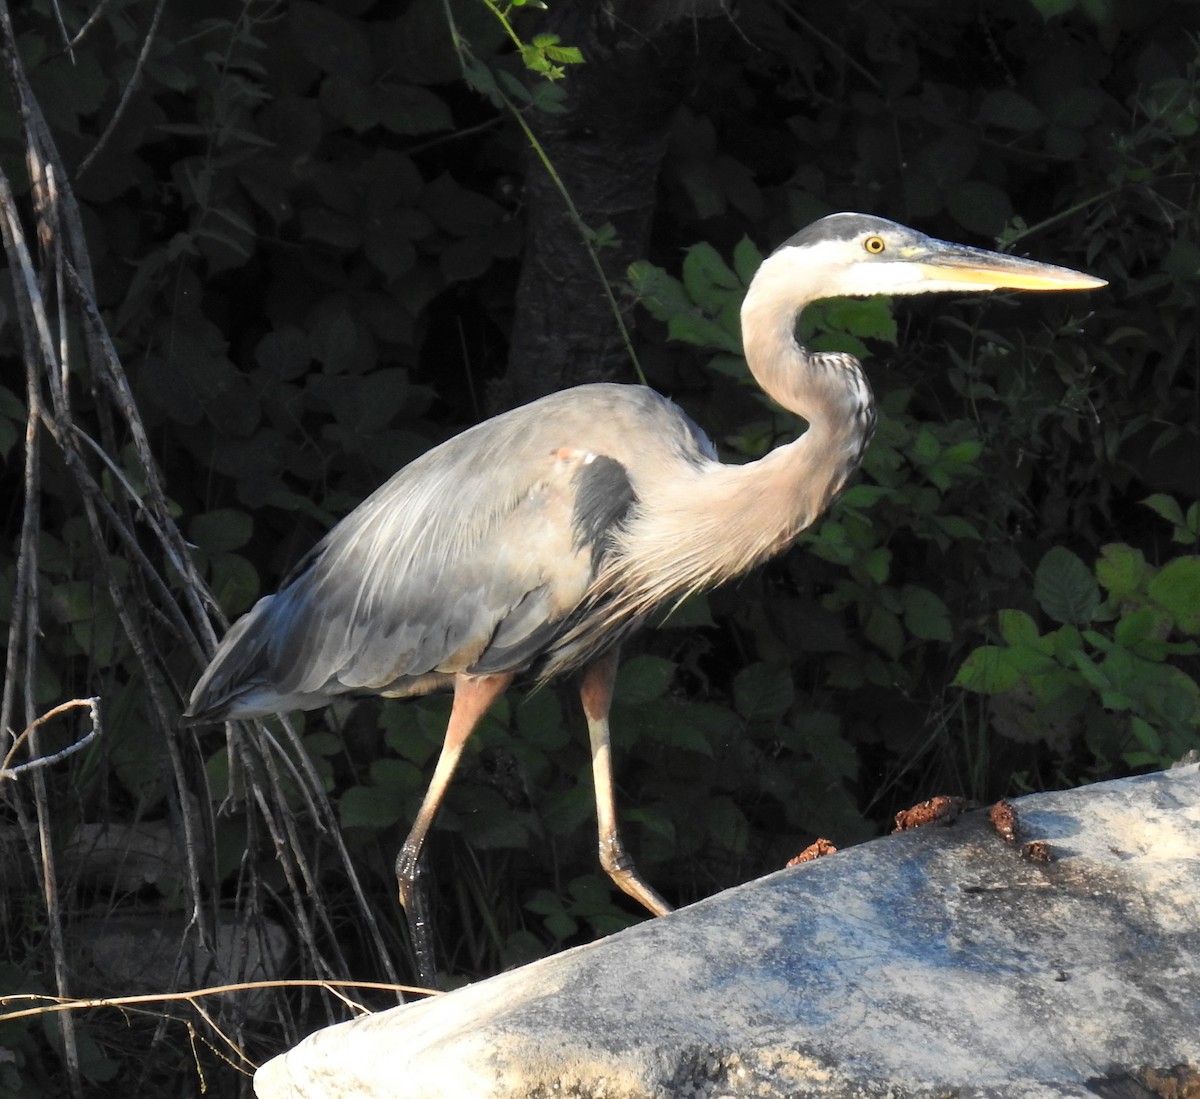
[641,59]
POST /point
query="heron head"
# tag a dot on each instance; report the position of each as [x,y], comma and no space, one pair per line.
[858,255]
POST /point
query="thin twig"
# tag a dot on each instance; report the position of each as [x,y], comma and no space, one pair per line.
[88,24]
[143,562]
[93,704]
[126,92]
[38,348]
[1062,215]
[56,1004]
[62,27]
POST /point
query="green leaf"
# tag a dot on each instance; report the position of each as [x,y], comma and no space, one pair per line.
[564,55]
[763,692]
[408,110]
[488,821]
[1030,660]
[395,777]
[957,527]
[883,630]
[863,496]
[1166,506]
[416,730]
[670,722]
[877,564]
[1077,107]
[988,670]
[964,453]
[1010,110]
[1143,630]
[1146,735]
[556,920]
[217,773]
[1093,674]
[1121,570]
[322,745]
[708,279]
[72,601]
[459,210]
[1017,627]
[980,207]
[821,735]
[329,40]
[828,541]
[481,78]
[840,342]
[925,615]
[221,530]
[1190,531]
[369,807]
[389,246]
[567,811]
[926,447]
[1176,589]
[1116,700]
[866,318]
[661,294]
[1061,692]
[283,354]
[605,236]
[234,582]
[643,679]
[1065,588]
[1065,640]
[746,259]
[697,329]
[540,722]
[727,824]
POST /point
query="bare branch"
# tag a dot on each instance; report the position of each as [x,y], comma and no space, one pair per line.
[93,705]
[127,92]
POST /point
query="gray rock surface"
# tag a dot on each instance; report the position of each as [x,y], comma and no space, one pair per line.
[938,962]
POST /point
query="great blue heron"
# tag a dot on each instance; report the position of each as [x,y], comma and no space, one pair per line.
[537,540]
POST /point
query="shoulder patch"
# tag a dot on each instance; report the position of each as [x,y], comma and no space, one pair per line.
[603,497]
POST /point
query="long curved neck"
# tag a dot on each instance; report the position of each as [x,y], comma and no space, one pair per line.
[711,522]
[830,391]
[826,390]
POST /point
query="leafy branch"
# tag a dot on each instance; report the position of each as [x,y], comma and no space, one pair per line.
[506,91]
[544,54]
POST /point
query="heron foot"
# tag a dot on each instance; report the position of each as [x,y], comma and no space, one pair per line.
[414,899]
[621,868]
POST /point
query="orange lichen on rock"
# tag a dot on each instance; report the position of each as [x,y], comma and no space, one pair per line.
[939,810]
[814,850]
[1004,819]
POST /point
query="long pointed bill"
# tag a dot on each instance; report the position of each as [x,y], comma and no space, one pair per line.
[942,262]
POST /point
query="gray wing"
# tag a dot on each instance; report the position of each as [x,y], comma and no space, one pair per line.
[472,558]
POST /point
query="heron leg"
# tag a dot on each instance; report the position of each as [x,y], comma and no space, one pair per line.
[473,695]
[596,692]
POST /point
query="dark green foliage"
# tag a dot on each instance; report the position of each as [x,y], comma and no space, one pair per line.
[306,229]
[1117,674]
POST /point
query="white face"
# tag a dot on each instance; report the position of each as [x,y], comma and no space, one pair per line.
[831,268]
[881,257]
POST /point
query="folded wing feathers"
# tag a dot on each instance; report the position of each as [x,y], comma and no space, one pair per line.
[479,555]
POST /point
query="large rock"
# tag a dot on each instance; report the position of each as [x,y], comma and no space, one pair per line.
[939,962]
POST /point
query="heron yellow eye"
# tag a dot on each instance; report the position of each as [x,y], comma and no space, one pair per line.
[874,245]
